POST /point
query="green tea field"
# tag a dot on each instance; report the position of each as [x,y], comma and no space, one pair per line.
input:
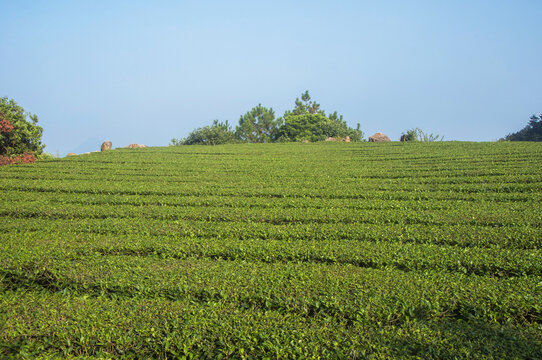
[277,251]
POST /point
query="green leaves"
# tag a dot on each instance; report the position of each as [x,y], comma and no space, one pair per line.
[257,125]
[275,251]
[308,123]
[216,134]
[531,132]
[417,134]
[17,134]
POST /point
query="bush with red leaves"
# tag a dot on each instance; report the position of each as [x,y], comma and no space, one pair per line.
[5,126]
[26,158]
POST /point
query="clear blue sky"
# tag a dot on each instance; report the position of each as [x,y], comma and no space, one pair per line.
[147,71]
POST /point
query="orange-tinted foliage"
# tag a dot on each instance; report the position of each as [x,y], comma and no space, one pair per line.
[5,126]
[26,158]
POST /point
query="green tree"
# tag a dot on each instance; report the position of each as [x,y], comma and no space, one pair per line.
[315,127]
[305,105]
[341,130]
[307,126]
[308,122]
[215,134]
[257,125]
[18,130]
[531,132]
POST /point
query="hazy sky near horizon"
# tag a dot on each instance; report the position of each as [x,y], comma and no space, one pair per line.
[148,71]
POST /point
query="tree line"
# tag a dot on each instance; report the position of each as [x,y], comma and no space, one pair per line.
[306,122]
[20,134]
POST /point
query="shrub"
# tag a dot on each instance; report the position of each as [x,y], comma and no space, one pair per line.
[410,135]
[45,156]
[417,134]
[25,158]
[218,133]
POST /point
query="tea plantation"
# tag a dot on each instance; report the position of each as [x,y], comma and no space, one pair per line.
[278,251]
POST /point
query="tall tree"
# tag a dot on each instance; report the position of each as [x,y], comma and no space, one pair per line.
[257,125]
[308,122]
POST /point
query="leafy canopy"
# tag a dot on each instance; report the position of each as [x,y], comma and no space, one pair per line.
[18,135]
[308,122]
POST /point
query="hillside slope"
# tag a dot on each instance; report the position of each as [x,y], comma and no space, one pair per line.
[328,250]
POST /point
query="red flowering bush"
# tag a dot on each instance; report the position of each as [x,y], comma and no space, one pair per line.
[19,132]
[26,158]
